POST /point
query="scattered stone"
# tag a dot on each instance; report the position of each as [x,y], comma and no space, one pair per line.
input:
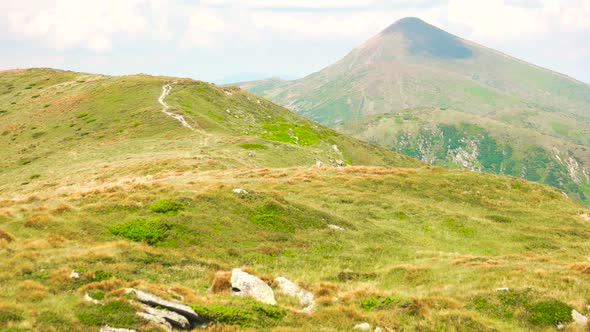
[585,216]
[250,154]
[240,191]
[362,326]
[560,326]
[173,318]
[340,163]
[245,284]
[176,307]
[87,298]
[378,329]
[114,329]
[579,318]
[318,163]
[502,289]
[74,275]
[306,298]
[158,320]
[335,227]
[335,148]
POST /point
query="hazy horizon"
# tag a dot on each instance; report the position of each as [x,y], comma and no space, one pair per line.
[217,40]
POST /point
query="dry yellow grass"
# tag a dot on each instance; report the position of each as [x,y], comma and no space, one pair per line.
[32,290]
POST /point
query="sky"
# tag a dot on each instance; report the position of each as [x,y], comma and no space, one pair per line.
[233,40]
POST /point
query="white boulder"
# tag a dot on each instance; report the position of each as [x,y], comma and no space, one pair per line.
[245,284]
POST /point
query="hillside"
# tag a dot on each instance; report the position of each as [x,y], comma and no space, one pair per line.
[102,191]
[411,66]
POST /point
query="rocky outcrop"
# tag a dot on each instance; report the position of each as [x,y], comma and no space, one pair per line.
[579,318]
[114,329]
[175,307]
[156,319]
[306,298]
[362,327]
[245,284]
[170,317]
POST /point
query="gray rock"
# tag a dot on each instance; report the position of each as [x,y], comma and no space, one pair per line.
[171,317]
[340,163]
[176,307]
[318,163]
[114,329]
[585,216]
[240,191]
[502,289]
[579,318]
[378,329]
[362,327]
[245,284]
[158,320]
[335,227]
[74,275]
[306,298]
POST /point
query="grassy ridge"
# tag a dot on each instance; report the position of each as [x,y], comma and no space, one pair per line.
[152,206]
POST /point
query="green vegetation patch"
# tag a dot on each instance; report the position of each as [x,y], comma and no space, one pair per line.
[252,146]
[116,313]
[166,206]
[550,313]
[249,314]
[378,302]
[141,230]
[291,133]
[524,306]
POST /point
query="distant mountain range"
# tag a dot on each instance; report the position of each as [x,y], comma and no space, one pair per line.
[419,90]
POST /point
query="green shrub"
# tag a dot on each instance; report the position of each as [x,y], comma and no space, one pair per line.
[550,313]
[166,206]
[120,314]
[248,315]
[82,115]
[141,230]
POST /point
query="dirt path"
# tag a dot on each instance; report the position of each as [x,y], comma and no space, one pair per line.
[165,91]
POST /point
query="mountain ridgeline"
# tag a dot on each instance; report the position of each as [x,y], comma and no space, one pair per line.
[424,92]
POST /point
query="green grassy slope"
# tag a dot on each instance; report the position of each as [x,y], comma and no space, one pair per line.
[151,206]
[412,65]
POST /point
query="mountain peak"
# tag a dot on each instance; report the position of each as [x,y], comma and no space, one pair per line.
[427,40]
[406,23]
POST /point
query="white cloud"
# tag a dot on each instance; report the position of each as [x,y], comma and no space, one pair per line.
[73,23]
[205,28]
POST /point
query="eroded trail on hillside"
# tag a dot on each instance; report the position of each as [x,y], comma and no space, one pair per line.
[165,91]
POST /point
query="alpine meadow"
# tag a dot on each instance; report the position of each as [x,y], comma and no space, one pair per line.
[422,183]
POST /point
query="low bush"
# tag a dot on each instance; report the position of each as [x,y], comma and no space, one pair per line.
[141,230]
[166,206]
[117,313]
[249,314]
[550,313]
